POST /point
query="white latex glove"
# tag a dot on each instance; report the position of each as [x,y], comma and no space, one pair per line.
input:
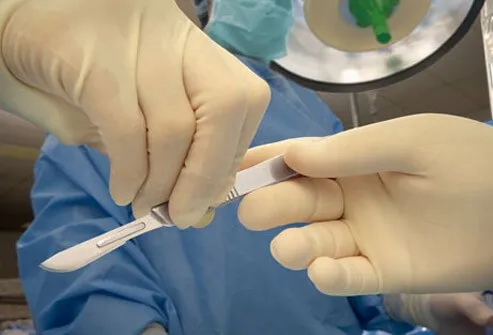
[411,210]
[155,329]
[447,314]
[138,80]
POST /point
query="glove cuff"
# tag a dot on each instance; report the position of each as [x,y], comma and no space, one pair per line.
[411,308]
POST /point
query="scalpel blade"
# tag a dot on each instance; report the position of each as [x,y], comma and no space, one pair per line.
[84,253]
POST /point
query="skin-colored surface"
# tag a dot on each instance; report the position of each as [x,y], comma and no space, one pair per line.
[409,209]
[161,116]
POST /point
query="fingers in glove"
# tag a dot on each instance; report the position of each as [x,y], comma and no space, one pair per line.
[258,96]
[476,310]
[344,277]
[262,153]
[220,107]
[296,200]
[112,105]
[169,117]
[364,150]
[125,145]
[77,76]
[296,248]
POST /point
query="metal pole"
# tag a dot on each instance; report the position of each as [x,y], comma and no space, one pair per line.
[487,31]
[353,101]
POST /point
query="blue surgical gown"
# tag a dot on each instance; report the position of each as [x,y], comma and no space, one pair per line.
[217,280]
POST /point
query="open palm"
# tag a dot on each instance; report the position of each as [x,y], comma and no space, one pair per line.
[399,206]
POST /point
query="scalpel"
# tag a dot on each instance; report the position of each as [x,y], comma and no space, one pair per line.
[267,173]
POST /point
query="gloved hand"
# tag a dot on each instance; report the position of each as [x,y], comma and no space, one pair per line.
[154,329]
[447,314]
[135,79]
[409,212]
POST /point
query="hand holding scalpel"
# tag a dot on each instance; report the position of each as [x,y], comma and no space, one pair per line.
[267,173]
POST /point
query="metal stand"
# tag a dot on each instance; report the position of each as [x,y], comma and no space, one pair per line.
[487,31]
[353,101]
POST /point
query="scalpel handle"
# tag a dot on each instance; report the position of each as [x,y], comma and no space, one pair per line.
[161,213]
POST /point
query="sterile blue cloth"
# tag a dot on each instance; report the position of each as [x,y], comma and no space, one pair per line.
[217,280]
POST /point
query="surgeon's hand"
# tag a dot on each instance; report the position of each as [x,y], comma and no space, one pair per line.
[447,314]
[139,81]
[410,209]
